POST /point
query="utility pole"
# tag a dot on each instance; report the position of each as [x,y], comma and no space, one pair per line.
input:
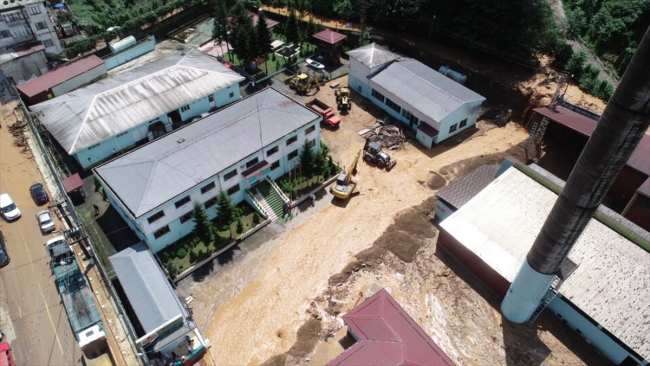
[431,27]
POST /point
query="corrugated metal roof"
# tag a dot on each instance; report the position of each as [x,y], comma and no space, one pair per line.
[91,114]
[58,76]
[329,36]
[610,283]
[645,188]
[640,159]
[141,177]
[151,296]
[424,89]
[387,336]
[373,55]
[464,189]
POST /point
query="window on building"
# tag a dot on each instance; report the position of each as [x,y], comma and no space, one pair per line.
[48,43]
[377,95]
[231,95]
[275,165]
[155,217]
[211,98]
[185,108]
[182,201]
[252,162]
[34,10]
[292,140]
[21,31]
[453,127]
[293,154]
[310,130]
[41,25]
[311,143]
[359,88]
[272,151]
[463,123]
[187,217]
[211,202]
[207,188]
[393,105]
[230,175]
[5,34]
[160,232]
[12,17]
[234,189]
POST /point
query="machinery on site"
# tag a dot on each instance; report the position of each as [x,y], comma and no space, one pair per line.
[345,187]
[343,101]
[372,154]
[329,117]
[303,83]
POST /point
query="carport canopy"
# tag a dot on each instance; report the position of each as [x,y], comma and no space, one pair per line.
[72,183]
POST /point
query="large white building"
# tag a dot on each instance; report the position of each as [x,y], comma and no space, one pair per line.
[153,187]
[26,34]
[115,114]
[430,103]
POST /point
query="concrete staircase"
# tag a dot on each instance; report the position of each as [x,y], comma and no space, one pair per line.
[269,199]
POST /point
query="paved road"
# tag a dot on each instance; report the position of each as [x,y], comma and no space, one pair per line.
[31,314]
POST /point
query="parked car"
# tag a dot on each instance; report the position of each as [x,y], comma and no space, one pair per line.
[38,194]
[45,221]
[6,355]
[4,257]
[314,64]
[9,209]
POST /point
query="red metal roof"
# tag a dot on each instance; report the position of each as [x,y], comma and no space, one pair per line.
[640,159]
[60,75]
[329,36]
[72,182]
[387,335]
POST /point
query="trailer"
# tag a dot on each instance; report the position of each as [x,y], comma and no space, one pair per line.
[329,116]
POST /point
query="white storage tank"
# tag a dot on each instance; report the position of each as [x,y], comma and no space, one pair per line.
[122,44]
[453,75]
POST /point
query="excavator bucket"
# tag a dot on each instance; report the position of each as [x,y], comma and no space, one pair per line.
[391,165]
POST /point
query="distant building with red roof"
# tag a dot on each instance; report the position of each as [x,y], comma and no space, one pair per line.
[330,44]
[64,79]
[570,127]
[386,335]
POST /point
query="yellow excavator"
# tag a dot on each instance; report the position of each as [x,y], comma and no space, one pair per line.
[345,187]
[303,83]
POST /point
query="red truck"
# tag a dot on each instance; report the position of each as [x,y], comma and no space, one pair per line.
[329,116]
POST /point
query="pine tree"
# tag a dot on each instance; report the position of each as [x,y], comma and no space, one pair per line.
[306,160]
[220,25]
[225,211]
[202,225]
[293,28]
[264,37]
[244,34]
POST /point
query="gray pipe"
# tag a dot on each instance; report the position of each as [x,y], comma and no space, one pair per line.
[621,127]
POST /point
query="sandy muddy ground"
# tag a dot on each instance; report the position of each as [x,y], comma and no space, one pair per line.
[252,309]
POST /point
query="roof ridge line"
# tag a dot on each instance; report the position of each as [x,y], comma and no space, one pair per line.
[153,169]
[427,81]
[85,119]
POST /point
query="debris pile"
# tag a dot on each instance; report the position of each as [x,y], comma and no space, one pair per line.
[388,136]
[498,116]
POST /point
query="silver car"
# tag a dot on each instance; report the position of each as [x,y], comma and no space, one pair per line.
[45,221]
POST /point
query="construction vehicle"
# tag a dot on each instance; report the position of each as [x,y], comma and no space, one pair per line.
[372,154]
[343,100]
[329,117]
[303,83]
[345,187]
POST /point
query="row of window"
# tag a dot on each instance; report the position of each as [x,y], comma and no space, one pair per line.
[15,16]
[380,97]
[455,126]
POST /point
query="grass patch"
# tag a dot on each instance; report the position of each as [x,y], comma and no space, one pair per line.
[274,61]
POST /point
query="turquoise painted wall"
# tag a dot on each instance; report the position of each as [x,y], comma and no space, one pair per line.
[116,59]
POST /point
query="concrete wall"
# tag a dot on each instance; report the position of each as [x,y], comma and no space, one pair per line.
[357,78]
[173,214]
[79,80]
[467,110]
[35,13]
[125,140]
[116,59]
[25,68]
[592,332]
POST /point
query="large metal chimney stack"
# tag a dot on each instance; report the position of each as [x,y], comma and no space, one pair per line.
[623,123]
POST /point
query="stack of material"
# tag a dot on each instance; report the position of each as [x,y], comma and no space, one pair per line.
[388,136]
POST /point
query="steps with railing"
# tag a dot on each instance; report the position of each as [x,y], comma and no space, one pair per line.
[269,199]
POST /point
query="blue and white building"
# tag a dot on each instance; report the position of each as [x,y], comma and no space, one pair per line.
[431,104]
[603,287]
[154,187]
[113,115]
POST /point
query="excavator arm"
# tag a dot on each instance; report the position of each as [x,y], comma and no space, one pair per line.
[353,168]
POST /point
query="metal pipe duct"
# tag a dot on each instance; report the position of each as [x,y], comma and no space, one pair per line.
[621,127]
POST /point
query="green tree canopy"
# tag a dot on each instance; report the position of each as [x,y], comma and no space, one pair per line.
[225,210]
[293,28]
[202,226]
[264,37]
[306,160]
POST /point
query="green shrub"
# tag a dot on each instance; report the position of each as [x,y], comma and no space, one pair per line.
[98,183]
[193,257]
[256,218]
[240,227]
[181,253]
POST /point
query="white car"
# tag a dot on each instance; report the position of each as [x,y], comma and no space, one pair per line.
[45,221]
[314,64]
[8,207]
